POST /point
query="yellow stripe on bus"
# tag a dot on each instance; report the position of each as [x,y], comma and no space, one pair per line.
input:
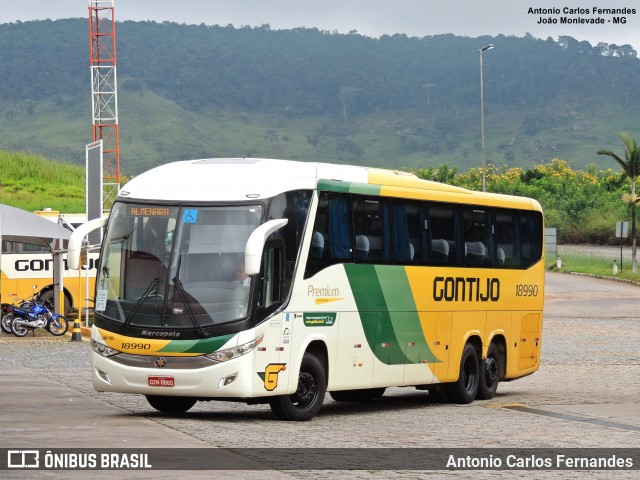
[135,346]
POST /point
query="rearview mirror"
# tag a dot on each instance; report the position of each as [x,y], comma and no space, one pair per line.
[255,244]
[77,239]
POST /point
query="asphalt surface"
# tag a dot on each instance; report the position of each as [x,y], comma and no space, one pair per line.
[584,395]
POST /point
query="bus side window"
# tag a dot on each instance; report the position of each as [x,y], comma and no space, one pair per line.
[446,236]
[372,229]
[420,236]
[271,293]
[403,251]
[531,237]
[331,240]
[478,236]
[508,248]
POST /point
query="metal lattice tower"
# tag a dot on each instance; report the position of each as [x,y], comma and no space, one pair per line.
[104,94]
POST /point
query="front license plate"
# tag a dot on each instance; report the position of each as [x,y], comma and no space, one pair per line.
[161,381]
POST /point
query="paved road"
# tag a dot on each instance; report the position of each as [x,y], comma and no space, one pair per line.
[584,395]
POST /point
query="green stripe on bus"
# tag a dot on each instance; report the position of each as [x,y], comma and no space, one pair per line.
[365,189]
[348,187]
[402,308]
[206,345]
[374,314]
[388,314]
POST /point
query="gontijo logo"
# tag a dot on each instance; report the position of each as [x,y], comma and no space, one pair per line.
[270,375]
[466,289]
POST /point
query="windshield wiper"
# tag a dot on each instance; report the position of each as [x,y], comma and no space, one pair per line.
[192,316]
[150,289]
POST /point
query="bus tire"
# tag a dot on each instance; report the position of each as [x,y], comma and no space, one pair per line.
[489,374]
[465,389]
[171,404]
[47,296]
[306,402]
[363,395]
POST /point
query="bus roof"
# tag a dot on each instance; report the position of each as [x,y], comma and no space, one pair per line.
[240,179]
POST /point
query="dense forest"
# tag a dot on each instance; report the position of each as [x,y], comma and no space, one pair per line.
[305,69]
[544,98]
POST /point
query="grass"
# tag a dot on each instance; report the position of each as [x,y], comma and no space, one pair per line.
[594,265]
[31,182]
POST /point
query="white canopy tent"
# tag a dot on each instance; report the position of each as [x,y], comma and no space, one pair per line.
[21,226]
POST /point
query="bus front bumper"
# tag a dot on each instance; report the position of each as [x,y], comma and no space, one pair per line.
[232,379]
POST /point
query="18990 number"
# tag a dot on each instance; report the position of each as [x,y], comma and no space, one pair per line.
[523,290]
[136,346]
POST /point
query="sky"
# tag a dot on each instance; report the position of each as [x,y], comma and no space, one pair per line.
[471,18]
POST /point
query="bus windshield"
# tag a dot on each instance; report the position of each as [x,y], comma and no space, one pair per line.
[175,267]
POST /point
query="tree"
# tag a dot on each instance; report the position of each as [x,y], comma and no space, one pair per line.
[631,167]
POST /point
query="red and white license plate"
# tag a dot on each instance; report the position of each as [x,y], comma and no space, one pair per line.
[161,381]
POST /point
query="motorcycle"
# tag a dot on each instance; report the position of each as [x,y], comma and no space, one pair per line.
[7,316]
[7,313]
[37,316]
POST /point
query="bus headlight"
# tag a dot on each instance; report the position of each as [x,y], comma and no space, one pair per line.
[102,349]
[234,352]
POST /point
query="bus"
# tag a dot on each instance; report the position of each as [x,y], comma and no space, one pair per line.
[274,281]
[27,270]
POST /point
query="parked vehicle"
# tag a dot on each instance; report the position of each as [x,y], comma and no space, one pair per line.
[7,316]
[7,312]
[37,316]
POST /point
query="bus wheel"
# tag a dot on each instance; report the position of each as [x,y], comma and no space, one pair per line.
[465,389]
[47,296]
[171,404]
[489,374]
[306,402]
[363,395]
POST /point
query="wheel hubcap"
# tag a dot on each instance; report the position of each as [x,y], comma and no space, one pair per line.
[491,372]
[307,390]
[469,377]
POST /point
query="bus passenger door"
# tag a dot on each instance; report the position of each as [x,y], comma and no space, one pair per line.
[273,363]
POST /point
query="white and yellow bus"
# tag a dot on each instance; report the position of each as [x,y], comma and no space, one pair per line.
[27,270]
[277,281]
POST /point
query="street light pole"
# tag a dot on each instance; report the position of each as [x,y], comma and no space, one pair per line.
[484,157]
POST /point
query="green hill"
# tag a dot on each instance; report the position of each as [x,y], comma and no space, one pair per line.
[32,183]
[203,91]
